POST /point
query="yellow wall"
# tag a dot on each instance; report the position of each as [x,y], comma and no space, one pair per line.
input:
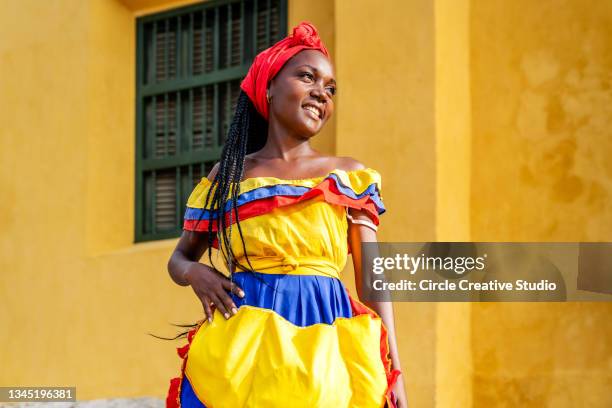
[485,123]
[385,118]
[453,348]
[79,296]
[541,146]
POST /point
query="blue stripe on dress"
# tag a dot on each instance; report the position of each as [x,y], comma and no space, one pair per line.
[188,398]
[303,300]
[287,190]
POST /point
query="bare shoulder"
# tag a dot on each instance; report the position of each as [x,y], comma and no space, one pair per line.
[213,172]
[349,164]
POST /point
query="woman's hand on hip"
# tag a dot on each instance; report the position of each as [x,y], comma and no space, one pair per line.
[213,289]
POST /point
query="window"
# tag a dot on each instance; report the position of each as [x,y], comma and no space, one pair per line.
[190,62]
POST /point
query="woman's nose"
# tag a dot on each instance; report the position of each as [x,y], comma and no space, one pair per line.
[318,91]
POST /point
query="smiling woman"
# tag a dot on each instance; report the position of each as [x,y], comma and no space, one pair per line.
[281,330]
[307,70]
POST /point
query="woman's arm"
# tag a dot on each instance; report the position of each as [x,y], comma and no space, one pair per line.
[189,249]
[357,234]
[211,286]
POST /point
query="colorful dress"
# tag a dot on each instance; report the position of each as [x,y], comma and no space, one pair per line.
[298,339]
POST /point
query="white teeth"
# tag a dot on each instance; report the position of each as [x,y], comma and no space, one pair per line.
[313,110]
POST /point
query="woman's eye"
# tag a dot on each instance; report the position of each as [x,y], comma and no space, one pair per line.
[307,75]
[331,90]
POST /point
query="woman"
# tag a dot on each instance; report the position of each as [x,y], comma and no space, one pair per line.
[282,330]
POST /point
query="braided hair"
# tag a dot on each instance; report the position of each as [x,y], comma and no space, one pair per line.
[248,133]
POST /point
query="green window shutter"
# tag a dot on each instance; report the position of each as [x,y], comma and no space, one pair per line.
[189,65]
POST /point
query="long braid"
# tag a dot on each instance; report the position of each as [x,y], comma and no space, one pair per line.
[247,133]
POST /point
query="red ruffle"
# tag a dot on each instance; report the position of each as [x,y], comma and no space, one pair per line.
[327,189]
[174,391]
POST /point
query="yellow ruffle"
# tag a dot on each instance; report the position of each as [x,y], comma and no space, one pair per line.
[259,359]
[305,238]
[356,180]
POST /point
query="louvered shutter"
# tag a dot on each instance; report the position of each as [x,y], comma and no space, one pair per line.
[190,62]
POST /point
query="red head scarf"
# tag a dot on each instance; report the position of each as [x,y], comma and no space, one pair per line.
[268,62]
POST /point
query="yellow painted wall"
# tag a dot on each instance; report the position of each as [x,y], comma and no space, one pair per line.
[453,348]
[541,171]
[485,124]
[385,119]
[79,297]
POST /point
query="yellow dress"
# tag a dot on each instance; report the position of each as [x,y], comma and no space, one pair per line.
[298,339]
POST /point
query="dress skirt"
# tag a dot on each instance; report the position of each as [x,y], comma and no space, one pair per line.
[296,341]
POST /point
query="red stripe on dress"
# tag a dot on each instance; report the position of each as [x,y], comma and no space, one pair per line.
[327,189]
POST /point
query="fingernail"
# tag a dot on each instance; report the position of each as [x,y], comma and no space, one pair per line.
[234,310]
[226,315]
[209,319]
[241,294]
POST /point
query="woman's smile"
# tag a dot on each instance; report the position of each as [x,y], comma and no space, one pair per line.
[313,111]
[301,95]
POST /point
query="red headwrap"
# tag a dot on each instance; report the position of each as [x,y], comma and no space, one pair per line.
[268,62]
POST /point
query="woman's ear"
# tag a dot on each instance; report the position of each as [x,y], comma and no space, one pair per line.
[269,90]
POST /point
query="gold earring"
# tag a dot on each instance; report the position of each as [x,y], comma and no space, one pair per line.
[268,97]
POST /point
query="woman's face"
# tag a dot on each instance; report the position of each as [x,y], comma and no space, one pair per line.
[302,93]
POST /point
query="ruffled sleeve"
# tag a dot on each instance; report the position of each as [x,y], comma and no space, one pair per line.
[358,189]
[196,216]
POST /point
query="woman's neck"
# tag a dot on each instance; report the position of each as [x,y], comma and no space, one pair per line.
[285,147]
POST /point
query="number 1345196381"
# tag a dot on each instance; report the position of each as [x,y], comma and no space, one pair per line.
[37,394]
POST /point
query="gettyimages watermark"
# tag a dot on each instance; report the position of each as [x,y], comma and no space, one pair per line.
[486,272]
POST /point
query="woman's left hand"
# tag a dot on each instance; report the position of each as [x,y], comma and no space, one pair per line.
[400,393]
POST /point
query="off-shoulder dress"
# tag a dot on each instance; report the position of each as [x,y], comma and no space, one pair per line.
[299,339]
